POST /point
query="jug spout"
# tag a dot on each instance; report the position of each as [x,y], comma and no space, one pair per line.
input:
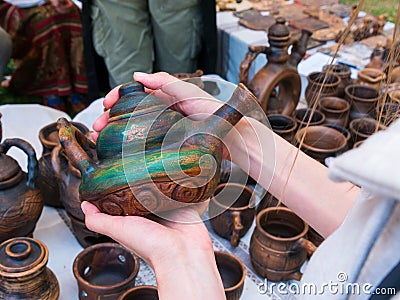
[299,48]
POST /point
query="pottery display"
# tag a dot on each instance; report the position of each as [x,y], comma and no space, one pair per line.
[321,85]
[23,271]
[343,72]
[363,128]
[232,211]
[278,247]
[277,85]
[304,116]
[233,274]
[336,110]
[370,76]
[284,126]
[321,142]
[137,182]
[143,292]
[363,100]
[48,136]
[21,203]
[105,271]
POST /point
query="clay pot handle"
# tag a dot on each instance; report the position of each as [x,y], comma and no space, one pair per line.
[306,245]
[76,145]
[237,227]
[248,59]
[29,151]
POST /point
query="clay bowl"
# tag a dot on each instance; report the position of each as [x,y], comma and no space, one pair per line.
[302,115]
[363,128]
[143,292]
[343,131]
[105,271]
[233,274]
[283,125]
[336,110]
[321,142]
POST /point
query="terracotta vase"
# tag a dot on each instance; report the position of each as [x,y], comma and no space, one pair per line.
[284,126]
[23,271]
[321,142]
[278,247]
[49,188]
[372,77]
[121,181]
[336,110]
[303,116]
[363,100]
[21,203]
[105,271]
[363,128]
[233,274]
[343,72]
[231,211]
[277,85]
[143,292]
[321,85]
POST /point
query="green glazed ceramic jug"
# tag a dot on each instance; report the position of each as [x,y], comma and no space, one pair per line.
[150,158]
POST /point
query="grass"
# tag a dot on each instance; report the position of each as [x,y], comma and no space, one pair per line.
[377,7]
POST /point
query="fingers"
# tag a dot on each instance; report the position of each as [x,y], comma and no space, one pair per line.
[154,81]
[111,98]
[101,121]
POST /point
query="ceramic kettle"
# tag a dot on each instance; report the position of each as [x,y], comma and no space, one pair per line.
[20,202]
[149,158]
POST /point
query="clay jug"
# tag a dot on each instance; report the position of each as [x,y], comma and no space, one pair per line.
[48,187]
[363,100]
[23,271]
[321,85]
[69,179]
[20,202]
[277,85]
[135,172]
[343,72]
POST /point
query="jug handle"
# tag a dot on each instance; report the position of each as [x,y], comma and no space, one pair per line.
[237,227]
[248,59]
[29,151]
[76,145]
[306,245]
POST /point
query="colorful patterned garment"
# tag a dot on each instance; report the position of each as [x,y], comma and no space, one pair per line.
[47,50]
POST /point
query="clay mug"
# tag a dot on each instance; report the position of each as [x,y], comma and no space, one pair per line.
[23,271]
[142,292]
[232,211]
[133,169]
[278,247]
[305,115]
[21,203]
[233,274]
[48,136]
[105,271]
[363,100]
[336,110]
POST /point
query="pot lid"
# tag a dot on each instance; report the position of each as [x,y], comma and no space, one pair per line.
[8,167]
[279,29]
[21,255]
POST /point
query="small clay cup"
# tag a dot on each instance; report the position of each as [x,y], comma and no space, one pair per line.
[105,271]
[336,110]
[283,125]
[143,292]
[363,100]
[318,87]
[232,211]
[363,128]
[302,115]
[278,247]
[233,274]
[321,142]
[343,72]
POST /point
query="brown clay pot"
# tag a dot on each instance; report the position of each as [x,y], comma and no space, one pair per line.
[318,87]
[105,271]
[283,125]
[232,211]
[363,128]
[21,203]
[372,77]
[302,116]
[343,72]
[278,247]
[363,100]
[49,188]
[321,142]
[23,271]
[143,292]
[336,110]
[233,274]
[343,131]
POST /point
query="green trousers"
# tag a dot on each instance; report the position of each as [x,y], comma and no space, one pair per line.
[146,36]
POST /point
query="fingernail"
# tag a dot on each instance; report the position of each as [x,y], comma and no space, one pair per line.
[84,207]
[139,74]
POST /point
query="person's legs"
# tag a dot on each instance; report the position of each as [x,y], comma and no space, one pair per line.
[177,33]
[122,35]
[5,51]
